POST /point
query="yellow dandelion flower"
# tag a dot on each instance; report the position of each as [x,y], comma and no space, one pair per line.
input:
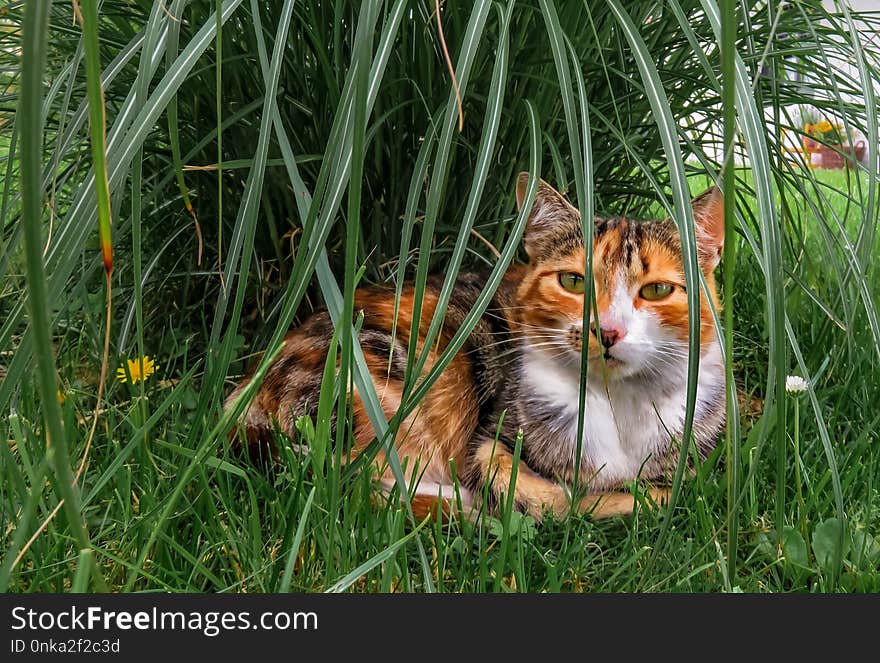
[139,369]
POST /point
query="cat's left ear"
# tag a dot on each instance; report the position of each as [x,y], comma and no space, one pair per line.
[709,222]
[550,216]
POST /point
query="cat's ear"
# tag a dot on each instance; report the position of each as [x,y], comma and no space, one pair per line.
[709,222]
[550,214]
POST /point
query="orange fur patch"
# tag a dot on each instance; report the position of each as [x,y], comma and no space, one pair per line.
[664,267]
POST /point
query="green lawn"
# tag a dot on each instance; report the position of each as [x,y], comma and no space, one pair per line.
[234,526]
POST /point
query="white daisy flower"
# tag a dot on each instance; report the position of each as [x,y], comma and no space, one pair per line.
[795,384]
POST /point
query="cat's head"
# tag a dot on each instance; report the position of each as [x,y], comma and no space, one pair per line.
[639,284]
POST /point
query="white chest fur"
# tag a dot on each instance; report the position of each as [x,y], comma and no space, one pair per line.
[626,423]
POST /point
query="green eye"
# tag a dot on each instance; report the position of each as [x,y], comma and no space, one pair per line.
[656,291]
[572,282]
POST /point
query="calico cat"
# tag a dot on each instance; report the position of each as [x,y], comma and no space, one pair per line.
[520,368]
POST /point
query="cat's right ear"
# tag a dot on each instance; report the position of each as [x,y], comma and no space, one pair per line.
[550,213]
[709,223]
[522,183]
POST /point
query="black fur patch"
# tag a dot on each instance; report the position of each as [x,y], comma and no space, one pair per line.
[380,343]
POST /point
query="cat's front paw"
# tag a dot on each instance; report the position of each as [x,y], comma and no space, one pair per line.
[620,503]
[608,505]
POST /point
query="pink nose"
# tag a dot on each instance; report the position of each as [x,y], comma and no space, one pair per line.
[608,336]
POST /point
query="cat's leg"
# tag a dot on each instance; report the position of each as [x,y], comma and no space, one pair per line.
[488,477]
[618,503]
[489,474]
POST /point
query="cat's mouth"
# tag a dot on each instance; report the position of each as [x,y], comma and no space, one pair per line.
[606,362]
[610,362]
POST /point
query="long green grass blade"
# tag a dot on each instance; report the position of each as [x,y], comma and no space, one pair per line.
[684,221]
[97,128]
[350,578]
[33,62]
[731,432]
[287,578]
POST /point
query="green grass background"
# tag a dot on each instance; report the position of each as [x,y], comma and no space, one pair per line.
[352,168]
